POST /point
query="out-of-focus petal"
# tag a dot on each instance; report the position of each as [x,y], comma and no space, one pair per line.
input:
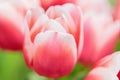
[11,27]
[110,62]
[108,65]
[100,36]
[101,73]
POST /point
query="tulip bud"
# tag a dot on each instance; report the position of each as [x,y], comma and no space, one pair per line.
[51,52]
[11,27]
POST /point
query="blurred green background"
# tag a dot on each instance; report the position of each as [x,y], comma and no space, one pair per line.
[13,67]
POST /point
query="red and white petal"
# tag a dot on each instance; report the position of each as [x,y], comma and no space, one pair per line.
[101,73]
[55,54]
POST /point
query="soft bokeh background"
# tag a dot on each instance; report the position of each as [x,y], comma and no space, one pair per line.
[13,67]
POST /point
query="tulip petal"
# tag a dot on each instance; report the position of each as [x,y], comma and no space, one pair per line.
[55,54]
[101,73]
[32,16]
[47,3]
[110,62]
[108,65]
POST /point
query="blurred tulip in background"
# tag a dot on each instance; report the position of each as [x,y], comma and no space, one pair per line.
[108,65]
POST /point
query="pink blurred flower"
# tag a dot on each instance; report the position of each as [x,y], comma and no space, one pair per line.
[107,68]
[100,36]
[12,14]
[48,49]
[11,27]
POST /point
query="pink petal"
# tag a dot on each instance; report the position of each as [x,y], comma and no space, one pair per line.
[33,15]
[110,62]
[101,73]
[55,54]
[47,3]
[108,65]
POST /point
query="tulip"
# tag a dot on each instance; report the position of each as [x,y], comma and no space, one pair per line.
[108,65]
[51,52]
[11,27]
[100,37]
[47,3]
[70,17]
